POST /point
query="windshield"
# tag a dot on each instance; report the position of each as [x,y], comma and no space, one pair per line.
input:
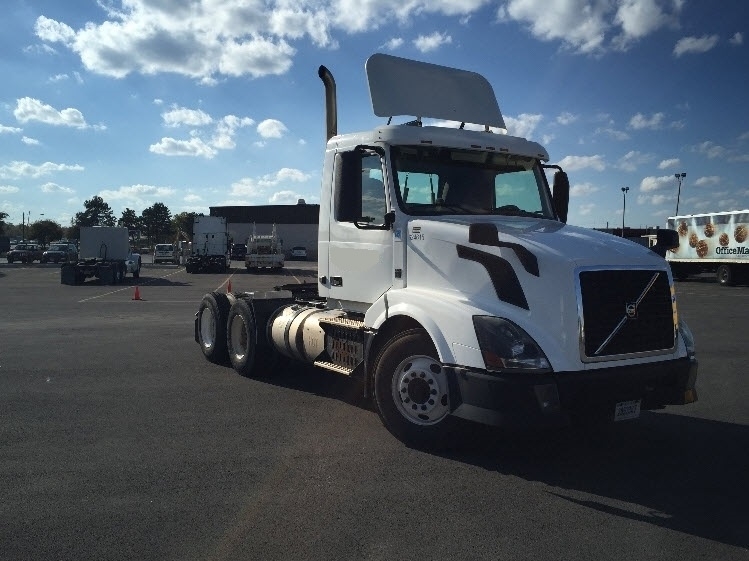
[58,248]
[439,181]
[163,248]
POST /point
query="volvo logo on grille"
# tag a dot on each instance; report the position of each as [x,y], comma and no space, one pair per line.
[631,310]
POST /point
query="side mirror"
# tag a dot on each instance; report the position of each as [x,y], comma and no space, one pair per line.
[665,239]
[561,195]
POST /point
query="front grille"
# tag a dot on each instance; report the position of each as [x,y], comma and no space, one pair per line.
[625,312]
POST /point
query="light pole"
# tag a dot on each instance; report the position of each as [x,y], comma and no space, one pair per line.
[679,178]
[624,209]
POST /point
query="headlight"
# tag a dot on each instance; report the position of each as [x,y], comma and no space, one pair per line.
[688,338]
[505,346]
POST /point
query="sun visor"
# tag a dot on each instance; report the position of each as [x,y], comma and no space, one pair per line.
[398,86]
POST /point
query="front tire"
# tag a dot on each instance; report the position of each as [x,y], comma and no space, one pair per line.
[411,390]
[212,321]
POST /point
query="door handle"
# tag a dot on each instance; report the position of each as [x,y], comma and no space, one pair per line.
[336,281]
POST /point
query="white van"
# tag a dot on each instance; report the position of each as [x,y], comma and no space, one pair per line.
[163,252]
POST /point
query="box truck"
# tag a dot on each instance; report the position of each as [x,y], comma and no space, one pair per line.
[210,246]
[714,242]
[103,253]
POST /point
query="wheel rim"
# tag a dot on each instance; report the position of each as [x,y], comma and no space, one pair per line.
[207,328]
[420,390]
[238,338]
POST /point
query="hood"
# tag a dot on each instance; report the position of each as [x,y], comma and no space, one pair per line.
[554,241]
[522,269]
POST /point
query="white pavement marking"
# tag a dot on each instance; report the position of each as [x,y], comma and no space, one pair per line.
[128,287]
[219,287]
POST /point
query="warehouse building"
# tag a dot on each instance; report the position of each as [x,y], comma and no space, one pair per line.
[296,224]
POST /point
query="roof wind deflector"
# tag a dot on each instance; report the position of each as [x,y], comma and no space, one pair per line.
[398,86]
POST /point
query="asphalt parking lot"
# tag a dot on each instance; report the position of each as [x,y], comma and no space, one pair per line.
[119,441]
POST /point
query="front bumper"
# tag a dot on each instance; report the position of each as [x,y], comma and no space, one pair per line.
[523,400]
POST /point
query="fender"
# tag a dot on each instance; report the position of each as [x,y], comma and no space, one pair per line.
[445,316]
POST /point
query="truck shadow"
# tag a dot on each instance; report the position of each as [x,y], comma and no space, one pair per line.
[681,473]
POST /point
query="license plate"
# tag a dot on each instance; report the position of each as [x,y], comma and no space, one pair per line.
[625,410]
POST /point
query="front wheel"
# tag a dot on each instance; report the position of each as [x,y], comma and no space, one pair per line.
[411,390]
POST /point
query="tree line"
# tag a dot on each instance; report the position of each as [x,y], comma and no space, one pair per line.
[155,224]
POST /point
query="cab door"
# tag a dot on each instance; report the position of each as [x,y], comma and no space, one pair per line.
[360,260]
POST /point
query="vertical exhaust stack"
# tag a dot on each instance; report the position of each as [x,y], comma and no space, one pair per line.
[331,106]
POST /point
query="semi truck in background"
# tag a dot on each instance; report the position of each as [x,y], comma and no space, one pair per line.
[450,284]
[264,251]
[210,246]
[103,253]
[714,242]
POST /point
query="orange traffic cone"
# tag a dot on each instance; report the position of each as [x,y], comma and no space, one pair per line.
[228,286]
[136,296]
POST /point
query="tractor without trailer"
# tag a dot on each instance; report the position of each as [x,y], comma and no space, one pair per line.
[450,283]
[264,251]
[104,253]
[210,246]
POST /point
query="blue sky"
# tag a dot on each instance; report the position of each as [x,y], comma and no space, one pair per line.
[217,102]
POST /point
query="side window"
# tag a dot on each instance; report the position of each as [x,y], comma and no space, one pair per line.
[373,206]
[519,189]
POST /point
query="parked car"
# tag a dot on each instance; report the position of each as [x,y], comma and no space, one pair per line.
[25,253]
[238,251]
[60,252]
[298,252]
[163,252]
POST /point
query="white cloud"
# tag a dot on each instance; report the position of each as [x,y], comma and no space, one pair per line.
[393,44]
[29,109]
[523,125]
[59,78]
[226,130]
[575,163]
[271,128]
[632,160]
[432,42]
[9,130]
[707,181]
[651,183]
[737,39]
[640,121]
[183,116]
[8,189]
[586,209]
[670,163]
[192,198]
[689,45]
[592,27]
[284,198]
[583,189]
[55,188]
[257,188]
[137,195]
[613,133]
[30,141]
[566,118]
[654,200]
[55,32]
[17,169]
[173,147]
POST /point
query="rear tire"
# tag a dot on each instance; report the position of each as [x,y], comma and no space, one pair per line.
[241,338]
[212,320]
[411,391]
[724,274]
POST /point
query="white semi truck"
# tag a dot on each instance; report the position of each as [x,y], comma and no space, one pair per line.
[210,245]
[450,284]
[714,242]
[103,253]
[264,251]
